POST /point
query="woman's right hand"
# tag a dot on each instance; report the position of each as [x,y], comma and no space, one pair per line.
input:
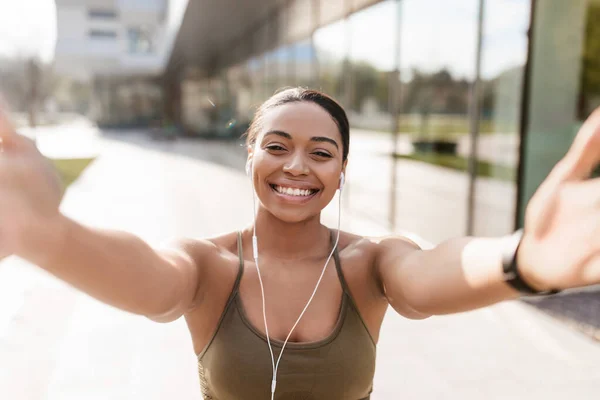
[30,194]
[115,267]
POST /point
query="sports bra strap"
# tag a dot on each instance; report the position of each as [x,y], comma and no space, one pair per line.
[346,288]
[241,262]
[338,266]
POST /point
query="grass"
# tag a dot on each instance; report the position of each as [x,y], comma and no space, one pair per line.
[69,169]
[441,126]
[458,163]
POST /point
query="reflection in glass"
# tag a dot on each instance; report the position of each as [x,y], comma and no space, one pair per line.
[565,45]
[564,89]
[330,45]
[372,34]
[590,74]
[371,65]
[272,72]
[305,60]
[255,68]
[503,56]
[287,66]
[437,60]
[241,100]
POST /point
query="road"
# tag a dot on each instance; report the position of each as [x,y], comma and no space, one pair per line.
[59,344]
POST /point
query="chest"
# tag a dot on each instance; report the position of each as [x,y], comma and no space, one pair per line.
[238,362]
[286,295]
[289,288]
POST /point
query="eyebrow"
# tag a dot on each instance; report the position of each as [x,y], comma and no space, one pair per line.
[313,139]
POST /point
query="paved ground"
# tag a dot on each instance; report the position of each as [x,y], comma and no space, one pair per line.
[59,344]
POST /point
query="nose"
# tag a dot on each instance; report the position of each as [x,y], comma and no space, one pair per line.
[296,166]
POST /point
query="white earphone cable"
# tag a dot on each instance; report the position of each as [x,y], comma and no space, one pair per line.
[311,297]
[262,289]
[255,256]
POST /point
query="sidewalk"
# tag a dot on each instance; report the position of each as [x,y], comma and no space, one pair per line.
[59,344]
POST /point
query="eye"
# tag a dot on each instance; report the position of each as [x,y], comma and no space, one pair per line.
[322,154]
[275,147]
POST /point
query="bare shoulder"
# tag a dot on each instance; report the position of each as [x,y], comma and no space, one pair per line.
[214,259]
[391,252]
[395,243]
[376,245]
[203,250]
[385,252]
[392,248]
[353,245]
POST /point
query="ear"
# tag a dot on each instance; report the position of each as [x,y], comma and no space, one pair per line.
[344,167]
[344,174]
[249,159]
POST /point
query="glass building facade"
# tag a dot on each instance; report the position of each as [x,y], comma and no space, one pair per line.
[458,108]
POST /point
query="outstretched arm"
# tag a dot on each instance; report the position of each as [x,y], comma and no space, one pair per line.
[120,269]
[560,247]
[458,275]
[115,267]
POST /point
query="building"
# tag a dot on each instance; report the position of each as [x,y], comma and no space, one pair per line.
[474,100]
[120,48]
[110,37]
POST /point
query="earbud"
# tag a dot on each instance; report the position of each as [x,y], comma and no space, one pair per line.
[342,181]
[248,167]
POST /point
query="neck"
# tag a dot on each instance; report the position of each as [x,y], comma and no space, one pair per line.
[287,240]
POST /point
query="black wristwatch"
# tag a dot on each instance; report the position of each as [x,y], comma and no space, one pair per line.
[511,271]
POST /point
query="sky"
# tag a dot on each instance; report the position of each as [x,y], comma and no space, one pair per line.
[28,28]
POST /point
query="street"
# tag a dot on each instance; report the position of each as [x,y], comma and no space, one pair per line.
[59,344]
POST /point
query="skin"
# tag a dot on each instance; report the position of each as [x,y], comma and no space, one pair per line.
[193,278]
[286,230]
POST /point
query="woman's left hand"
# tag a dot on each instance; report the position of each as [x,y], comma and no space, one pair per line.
[560,248]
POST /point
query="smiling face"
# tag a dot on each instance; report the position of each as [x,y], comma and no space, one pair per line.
[297,160]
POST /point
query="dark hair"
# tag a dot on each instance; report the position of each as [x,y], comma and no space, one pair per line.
[298,94]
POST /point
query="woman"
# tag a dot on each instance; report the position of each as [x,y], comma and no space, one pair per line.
[298,145]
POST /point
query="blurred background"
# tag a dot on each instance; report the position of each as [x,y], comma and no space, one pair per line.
[458,111]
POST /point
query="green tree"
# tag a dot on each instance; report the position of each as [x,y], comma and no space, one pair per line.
[590,77]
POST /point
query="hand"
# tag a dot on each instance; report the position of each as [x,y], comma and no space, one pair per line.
[30,191]
[560,248]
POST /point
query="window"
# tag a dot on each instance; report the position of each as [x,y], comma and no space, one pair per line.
[305,60]
[503,56]
[139,41]
[437,68]
[102,14]
[371,65]
[564,86]
[102,34]
[331,53]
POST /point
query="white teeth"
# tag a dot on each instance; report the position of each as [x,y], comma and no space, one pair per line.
[293,191]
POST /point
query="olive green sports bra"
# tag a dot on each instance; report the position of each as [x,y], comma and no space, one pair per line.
[236,362]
